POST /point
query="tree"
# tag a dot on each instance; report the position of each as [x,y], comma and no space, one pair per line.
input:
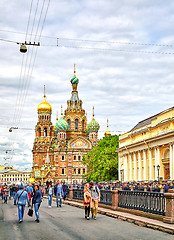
[102,161]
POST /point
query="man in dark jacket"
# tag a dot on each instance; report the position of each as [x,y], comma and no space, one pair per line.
[36,201]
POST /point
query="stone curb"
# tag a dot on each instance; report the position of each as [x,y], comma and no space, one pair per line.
[140,221]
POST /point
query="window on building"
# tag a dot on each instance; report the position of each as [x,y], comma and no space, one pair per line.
[83,170]
[79,171]
[45,132]
[63,158]
[39,132]
[74,171]
[60,135]
[63,171]
[69,124]
[74,158]
[79,158]
[76,124]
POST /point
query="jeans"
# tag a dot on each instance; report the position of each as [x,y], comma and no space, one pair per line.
[64,195]
[21,211]
[36,209]
[87,211]
[5,199]
[59,195]
[50,199]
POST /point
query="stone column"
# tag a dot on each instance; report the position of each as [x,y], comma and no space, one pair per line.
[156,163]
[135,168]
[145,165]
[114,199]
[139,163]
[169,218]
[150,164]
[171,161]
[130,168]
[125,168]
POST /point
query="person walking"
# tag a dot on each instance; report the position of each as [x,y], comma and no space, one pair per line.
[87,200]
[22,197]
[6,193]
[29,190]
[95,199]
[64,187]
[36,201]
[58,191]
[50,195]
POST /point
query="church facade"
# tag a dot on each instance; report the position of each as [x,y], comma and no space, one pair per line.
[58,149]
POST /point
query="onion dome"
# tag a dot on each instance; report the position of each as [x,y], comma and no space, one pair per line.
[74,81]
[107,132]
[44,106]
[61,124]
[93,126]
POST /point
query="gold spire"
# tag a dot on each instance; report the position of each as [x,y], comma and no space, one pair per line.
[57,116]
[107,123]
[44,92]
[74,69]
[61,110]
[93,112]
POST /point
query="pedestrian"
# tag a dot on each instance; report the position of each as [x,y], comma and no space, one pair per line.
[2,193]
[5,193]
[42,191]
[64,187]
[95,198]
[29,190]
[50,195]
[36,201]
[87,200]
[21,197]
[58,191]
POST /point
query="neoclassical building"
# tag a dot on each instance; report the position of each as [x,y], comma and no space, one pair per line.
[147,151]
[58,149]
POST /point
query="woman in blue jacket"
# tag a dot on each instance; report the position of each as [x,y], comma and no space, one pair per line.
[36,201]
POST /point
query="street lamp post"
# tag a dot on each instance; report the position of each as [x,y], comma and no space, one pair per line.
[158,169]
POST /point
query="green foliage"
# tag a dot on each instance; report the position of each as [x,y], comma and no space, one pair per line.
[102,161]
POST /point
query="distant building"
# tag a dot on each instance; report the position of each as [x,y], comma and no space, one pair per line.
[9,176]
[147,151]
[58,150]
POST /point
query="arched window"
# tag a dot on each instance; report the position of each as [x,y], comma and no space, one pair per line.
[39,132]
[83,125]
[42,117]
[45,132]
[60,135]
[92,136]
[47,117]
[76,124]
[69,124]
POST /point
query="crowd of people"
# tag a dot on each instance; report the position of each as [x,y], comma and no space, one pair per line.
[33,194]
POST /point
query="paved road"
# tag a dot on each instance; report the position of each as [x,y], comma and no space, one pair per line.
[68,223]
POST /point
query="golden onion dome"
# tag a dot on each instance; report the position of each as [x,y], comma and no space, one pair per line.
[44,106]
[107,132]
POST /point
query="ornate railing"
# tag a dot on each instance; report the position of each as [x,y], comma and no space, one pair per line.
[151,202]
[106,197]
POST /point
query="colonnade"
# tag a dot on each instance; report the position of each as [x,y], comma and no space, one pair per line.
[146,164]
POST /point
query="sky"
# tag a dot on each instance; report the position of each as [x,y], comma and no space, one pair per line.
[124,56]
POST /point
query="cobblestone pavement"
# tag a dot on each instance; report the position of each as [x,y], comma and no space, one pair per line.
[68,223]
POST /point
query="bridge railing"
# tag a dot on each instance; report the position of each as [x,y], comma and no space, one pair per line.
[151,202]
[105,196]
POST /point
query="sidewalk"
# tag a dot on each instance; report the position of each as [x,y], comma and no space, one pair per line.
[138,220]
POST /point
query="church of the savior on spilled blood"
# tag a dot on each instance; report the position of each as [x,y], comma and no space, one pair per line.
[58,149]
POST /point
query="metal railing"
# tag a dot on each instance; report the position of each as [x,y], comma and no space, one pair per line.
[151,202]
[106,197]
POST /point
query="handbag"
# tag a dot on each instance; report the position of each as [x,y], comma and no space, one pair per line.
[30,212]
